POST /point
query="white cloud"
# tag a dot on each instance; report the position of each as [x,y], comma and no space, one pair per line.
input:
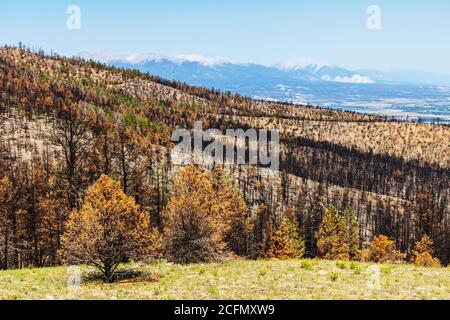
[356,78]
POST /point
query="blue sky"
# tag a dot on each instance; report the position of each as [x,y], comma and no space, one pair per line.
[414,34]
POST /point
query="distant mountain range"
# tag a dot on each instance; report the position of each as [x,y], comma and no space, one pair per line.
[412,94]
[196,68]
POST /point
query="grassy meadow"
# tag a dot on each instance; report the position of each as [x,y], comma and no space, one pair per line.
[238,279]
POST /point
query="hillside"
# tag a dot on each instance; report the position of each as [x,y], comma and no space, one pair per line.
[424,142]
[64,122]
[248,280]
[421,96]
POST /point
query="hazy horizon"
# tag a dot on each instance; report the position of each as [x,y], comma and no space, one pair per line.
[407,37]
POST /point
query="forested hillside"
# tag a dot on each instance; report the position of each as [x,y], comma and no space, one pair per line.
[66,122]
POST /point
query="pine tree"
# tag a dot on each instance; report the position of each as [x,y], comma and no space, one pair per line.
[108,229]
[231,201]
[281,244]
[423,253]
[195,224]
[332,237]
[263,231]
[5,221]
[298,241]
[353,233]
[422,211]
[286,242]
[382,250]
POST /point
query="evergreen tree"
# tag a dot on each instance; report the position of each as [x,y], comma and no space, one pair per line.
[382,250]
[297,241]
[195,224]
[332,237]
[423,253]
[281,245]
[353,233]
[231,201]
[5,222]
[108,229]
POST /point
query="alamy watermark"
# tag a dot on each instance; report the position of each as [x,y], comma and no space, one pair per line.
[73,277]
[236,146]
[374,282]
[374,19]
[74,19]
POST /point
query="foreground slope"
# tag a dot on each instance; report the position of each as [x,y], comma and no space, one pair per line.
[293,279]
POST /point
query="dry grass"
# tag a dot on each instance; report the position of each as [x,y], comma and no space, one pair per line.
[293,279]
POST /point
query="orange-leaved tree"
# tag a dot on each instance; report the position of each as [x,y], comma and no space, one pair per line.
[423,253]
[233,206]
[108,230]
[286,242]
[5,223]
[197,219]
[382,250]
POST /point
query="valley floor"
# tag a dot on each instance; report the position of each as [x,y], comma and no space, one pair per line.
[294,279]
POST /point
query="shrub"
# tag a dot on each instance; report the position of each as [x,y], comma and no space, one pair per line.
[423,253]
[382,250]
[425,259]
[355,267]
[108,230]
[333,276]
[307,264]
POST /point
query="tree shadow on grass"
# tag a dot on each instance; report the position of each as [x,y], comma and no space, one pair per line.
[123,277]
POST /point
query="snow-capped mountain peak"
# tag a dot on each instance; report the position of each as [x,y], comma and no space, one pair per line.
[323,72]
[110,57]
[300,64]
[201,59]
[204,70]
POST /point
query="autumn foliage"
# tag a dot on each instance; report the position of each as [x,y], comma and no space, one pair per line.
[195,222]
[423,253]
[5,208]
[65,122]
[234,209]
[332,237]
[108,230]
[286,242]
[382,250]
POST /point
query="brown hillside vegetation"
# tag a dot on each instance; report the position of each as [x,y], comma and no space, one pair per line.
[66,122]
[412,141]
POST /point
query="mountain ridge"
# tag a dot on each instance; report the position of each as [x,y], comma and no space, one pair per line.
[305,70]
[401,95]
